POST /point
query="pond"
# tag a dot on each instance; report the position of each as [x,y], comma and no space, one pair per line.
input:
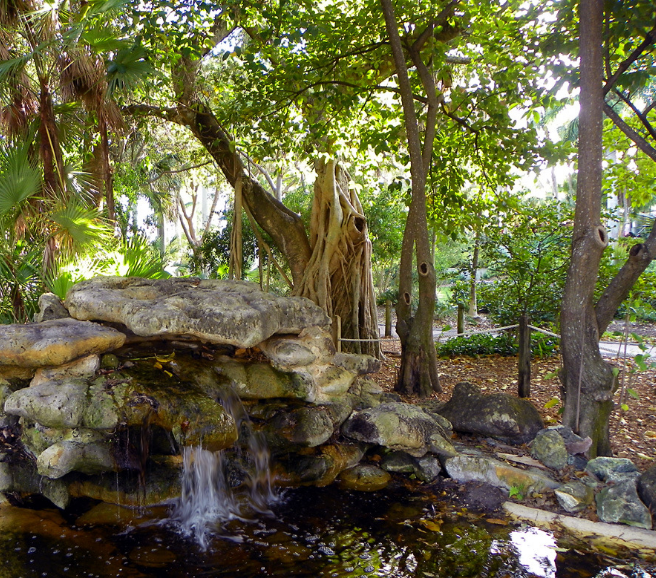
[309,532]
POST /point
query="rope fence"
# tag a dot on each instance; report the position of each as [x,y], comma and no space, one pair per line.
[524,357]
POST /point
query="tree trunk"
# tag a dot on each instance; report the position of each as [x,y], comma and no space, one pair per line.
[587,381]
[334,267]
[236,258]
[338,276]
[106,176]
[473,305]
[524,358]
[418,371]
[49,147]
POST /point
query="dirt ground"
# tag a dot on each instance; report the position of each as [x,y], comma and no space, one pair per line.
[633,431]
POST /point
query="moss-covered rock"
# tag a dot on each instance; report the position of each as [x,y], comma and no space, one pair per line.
[498,415]
[364,478]
[398,426]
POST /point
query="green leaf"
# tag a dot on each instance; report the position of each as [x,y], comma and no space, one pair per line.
[633,393]
[551,375]
[624,407]
[615,371]
[640,362]
[19,178]
[551,403]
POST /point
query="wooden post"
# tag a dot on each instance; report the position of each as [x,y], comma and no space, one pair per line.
[388,318]
[461,319]
[524,360]
[338,333]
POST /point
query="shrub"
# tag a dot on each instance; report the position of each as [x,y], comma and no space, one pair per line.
[504,344]
[528,258]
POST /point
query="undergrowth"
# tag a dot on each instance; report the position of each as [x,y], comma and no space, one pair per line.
[504,344]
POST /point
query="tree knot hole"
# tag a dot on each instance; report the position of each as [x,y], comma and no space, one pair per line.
[359,223]
[423,269]
[636,250]
[601,235]
[406,298]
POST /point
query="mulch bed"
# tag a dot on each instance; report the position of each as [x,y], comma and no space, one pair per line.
[633,431]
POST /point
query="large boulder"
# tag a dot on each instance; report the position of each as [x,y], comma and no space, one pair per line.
[499,415]
[82,368]
[575,496]
[469,468]
[66,456]
[106,402]
[54,342]
[312,345]
[219,311]
[609,469]
[399,426]
[307,426]
[620,503]
[56,404]
[257,380]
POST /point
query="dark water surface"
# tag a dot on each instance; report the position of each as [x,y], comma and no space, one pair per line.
[311,533]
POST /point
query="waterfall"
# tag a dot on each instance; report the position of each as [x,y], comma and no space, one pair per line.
[225,485]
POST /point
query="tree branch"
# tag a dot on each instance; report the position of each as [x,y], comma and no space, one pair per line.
[650,38]
[643,118]
[182,170]
[639,140]
[440,19]
[283,225]
[618,289]
[260,168]
[380,87]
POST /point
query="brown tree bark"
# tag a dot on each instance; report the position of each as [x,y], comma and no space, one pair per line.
[49,147]
[107,175]
[418,371]
[282,225]
[587,381]
[338,276]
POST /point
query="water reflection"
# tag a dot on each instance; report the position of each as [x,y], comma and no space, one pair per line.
[537,551]
[318,533]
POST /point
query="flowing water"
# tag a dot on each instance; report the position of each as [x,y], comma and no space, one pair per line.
[212,494]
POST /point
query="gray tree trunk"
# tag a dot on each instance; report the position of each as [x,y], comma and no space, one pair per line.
[587,381]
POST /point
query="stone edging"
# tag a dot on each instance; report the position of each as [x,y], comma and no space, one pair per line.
[640,541]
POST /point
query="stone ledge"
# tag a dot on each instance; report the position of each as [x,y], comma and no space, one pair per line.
[640,541]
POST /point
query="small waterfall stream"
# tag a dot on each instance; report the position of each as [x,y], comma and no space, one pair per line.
[225,485]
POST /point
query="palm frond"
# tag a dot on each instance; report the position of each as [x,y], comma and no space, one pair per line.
[77,227]
[14,66]
[140,259]
[59,282]
[102,39]
[11,10]
[104,6]
[19,178]
[128,69]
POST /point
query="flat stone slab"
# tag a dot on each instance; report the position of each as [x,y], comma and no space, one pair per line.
[54,342]
[639,541]
[464,468]
[218,311]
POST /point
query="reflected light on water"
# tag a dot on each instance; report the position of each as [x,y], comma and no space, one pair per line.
[537,551]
